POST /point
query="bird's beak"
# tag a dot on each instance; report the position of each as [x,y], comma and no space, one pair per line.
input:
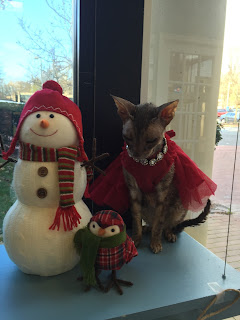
[101,232]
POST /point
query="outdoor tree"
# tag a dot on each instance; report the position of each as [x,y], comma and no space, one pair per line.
[230,87]
[3,4]
[1,83]
[50,45]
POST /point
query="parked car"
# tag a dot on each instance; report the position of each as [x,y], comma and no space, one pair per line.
[229,117]
[221,112]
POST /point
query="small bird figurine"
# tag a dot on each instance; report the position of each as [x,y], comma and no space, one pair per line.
[104,245]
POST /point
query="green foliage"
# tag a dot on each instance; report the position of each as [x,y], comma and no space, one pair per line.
[13,106]
[218,133]
[6,194]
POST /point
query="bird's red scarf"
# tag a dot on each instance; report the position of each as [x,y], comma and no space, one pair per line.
[193,185]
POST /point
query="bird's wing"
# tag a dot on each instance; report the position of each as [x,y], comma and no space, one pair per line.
[130,248]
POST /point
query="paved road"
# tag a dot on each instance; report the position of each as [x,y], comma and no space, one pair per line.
[222,175]
[229,135]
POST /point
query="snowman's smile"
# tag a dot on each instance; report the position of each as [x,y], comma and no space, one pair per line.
[43,135]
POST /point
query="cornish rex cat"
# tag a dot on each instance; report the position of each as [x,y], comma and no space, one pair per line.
[162,181]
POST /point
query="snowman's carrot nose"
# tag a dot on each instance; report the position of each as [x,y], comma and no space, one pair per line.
[44,123]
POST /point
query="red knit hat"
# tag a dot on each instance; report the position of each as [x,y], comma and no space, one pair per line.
[107,218]
[50,98]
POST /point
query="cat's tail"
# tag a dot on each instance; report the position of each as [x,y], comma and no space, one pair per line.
[193,222]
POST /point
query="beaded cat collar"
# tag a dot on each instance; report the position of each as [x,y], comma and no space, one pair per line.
[153,161]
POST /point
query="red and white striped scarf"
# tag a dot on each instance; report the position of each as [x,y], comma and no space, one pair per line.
[66,158]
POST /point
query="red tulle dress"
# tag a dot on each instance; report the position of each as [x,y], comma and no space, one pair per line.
[193,185]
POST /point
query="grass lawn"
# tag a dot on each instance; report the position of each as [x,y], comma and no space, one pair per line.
[7,196]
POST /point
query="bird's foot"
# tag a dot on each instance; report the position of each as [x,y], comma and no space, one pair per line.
[117,282]
[99,283]
[87,288]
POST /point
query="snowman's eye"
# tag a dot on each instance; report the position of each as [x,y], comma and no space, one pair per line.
[93,225]
[51,115]
[113,230]
[38,115]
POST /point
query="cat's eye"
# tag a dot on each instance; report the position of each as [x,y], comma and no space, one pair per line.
[127,138]
[152,140]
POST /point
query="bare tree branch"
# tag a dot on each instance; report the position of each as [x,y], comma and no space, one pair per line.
[3,4]
[57,12]
[51,47]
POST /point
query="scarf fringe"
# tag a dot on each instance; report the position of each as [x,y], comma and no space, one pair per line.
[70,218]
[89,278]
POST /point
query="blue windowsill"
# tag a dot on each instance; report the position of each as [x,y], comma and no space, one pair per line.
[172,285]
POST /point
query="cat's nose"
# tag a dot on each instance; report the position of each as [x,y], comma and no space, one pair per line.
[136,154]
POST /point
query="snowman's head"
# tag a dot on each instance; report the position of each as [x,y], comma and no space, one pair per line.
[48,129]
[49,119]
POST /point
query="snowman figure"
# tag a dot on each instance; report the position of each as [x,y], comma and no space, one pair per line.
[49,182]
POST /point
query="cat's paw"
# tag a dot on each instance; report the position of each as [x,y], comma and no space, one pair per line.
[170,237]
[137,239]
[156,246]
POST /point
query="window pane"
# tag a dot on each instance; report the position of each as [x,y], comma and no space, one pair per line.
[36,46]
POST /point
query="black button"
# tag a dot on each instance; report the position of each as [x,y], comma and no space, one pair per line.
[42,171]
[41,193]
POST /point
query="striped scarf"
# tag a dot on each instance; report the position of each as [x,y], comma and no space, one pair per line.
[66,158]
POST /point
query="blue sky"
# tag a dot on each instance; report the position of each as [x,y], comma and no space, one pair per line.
[231,38]
[11,55]
[14,59]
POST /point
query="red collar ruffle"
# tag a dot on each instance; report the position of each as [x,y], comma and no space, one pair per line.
[193,185]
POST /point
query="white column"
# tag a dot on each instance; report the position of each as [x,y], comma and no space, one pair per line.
[182,53]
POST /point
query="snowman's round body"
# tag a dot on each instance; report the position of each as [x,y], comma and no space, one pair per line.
[30,244]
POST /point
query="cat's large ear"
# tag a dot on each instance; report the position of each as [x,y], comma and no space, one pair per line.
[167,111]
[126,109]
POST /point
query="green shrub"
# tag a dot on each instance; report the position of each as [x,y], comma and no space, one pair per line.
[7,196]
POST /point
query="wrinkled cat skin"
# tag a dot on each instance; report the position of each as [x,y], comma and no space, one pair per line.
[143,131]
